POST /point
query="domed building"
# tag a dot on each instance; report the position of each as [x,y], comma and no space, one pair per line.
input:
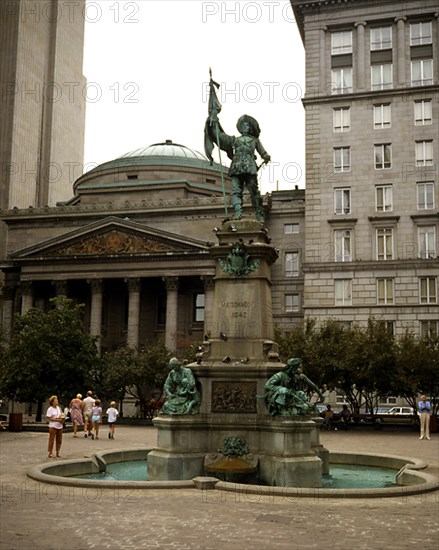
[132,244]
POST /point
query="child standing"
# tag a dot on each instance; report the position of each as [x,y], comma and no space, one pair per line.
[96,418]
[112,414]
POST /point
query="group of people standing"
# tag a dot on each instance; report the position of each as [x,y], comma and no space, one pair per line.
[85,412]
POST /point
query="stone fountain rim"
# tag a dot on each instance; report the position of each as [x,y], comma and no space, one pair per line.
[408,467]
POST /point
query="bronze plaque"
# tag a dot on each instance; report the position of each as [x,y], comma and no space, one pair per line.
[234,397]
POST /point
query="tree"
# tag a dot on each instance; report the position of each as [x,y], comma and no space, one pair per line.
[418,369]
[137,373]
[48,353]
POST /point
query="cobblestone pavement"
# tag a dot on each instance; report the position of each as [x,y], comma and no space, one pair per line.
[36,516]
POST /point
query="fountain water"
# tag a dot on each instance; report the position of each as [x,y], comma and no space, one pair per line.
[238,359]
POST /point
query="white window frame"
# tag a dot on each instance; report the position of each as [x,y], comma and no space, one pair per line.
[344,39]
[424,36]
[423,112]
[424,69]
[382,116]
[342,159]
[383,156]
[384,243]
[427,241]
[425,195]
[342,245]
[341,81]
[381,76]
[292,304]
[199,307]
[378,41]
[424,152]
[341,119]
[343,292]
[292,264]
[385,291]
[429,328]
[427,290]
[384,198]
[291,228]
[342,201]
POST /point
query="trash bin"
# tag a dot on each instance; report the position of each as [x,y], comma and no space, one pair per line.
[15,422]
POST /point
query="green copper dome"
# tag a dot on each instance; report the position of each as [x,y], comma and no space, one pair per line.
[166,149]
[167,153]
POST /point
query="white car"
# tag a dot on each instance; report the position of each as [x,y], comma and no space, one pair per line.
[397,415]
[400,410]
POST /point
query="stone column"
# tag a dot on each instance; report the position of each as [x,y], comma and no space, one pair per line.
[97,287]
[133,312]
[171,312]
[323,84]
[361,59]
[401,69]
[8,308]
[27,297]
[209,286]
[436,55]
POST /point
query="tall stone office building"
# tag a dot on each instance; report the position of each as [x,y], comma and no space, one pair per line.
[372,134]
[42,107]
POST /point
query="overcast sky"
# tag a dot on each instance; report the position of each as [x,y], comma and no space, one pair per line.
[147,66]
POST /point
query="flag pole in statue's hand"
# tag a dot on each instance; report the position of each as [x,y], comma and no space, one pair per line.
[213,100]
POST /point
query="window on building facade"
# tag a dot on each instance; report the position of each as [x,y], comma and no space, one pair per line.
[384,198]
[341,81]
[343,292]
[389,326]
[424,153]
[161,309]
[382,76]
[342,119]
[427,290]
[290,228]
[291,303]
[390,400]
[383,156]
[429,329]
[381,38]
[341,42]
[423,112]
[422,72]
[420,33]
[342,245]
[384,243]
[385,291]
[342,201]
[381,116]
[425,193]
[292,264]
[198,308]
[427,241]
[342,159]
[346,325]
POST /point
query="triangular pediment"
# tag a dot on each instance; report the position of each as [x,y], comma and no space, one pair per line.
[115,237]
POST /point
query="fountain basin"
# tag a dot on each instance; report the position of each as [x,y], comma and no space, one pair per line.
[408,471]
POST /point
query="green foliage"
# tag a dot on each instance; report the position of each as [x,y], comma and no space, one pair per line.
[48,354]
[365,364]
[138,373]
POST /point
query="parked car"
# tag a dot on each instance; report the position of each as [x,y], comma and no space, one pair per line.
[397,415]
[393,415]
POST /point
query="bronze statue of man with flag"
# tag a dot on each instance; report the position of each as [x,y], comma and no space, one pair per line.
[241,150]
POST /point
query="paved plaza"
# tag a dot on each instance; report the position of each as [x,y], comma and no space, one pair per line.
[38,516]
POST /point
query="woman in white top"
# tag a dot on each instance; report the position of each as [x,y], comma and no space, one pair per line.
[56,423]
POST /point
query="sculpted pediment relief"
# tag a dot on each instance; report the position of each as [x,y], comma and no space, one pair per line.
[113,242]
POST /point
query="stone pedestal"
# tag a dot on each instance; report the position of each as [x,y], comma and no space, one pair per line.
[239,357]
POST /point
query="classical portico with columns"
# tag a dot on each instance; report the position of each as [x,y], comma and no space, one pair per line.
[132,245]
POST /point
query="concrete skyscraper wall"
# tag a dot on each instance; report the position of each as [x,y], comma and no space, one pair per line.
[42,107]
